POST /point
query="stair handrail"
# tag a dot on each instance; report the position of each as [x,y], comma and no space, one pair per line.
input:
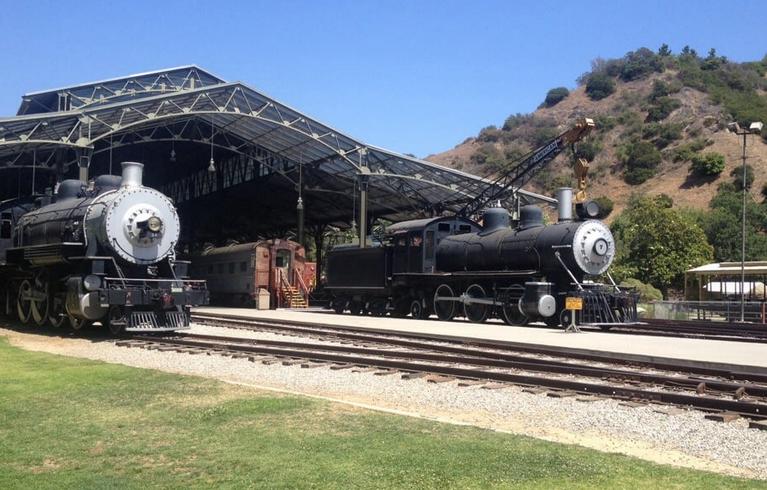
[302,285]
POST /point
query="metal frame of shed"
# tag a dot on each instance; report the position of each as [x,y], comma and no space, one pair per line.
[248,135]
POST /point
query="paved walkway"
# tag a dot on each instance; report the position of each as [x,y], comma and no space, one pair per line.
[737,354]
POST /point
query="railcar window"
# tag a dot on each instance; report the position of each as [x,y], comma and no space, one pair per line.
[5,229]
[401,241]
[416,239]
[443,227]
[220,268]
[464,229]
[243,266]
[231,268]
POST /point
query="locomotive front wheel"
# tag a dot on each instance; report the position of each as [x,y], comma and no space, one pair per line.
[24,302]
[417,310]
[77,323]
[444,308]
[475,312]
[116,320]
[565,318]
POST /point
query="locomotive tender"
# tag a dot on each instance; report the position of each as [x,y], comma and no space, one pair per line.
[104,252]
[452,266]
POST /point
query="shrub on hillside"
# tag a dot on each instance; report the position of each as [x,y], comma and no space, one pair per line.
[489,134]
[588,149]
[599,86]
[662,135]
[640,63]
[516,120]
[641,159]
[606,206]
[686,152]
[737,174]
[647,292]
[708,164]
[555,96]
[661,108]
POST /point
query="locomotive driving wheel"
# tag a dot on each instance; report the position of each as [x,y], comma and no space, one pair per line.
[24,301]
[511,312]
[475,312]
[40,299]
[444,308]
[57,314]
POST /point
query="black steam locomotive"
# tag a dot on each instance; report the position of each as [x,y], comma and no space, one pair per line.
[99,252]
[452,266]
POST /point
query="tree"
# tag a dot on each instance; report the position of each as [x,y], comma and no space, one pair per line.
[737,174]
[657,244]
[723,222]
[708,164]
[555,96]
[641,159]
[599,86]
[664,50]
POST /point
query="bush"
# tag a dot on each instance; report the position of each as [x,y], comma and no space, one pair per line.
[600,86]
[737,174]
[708,164]
[662,135]
[647,292]
[489,134]
[543,134]
[686,152]
[641,159]
[661,108]
[588,149]
[640,63]
[516,120]
[606,206]
[555,96]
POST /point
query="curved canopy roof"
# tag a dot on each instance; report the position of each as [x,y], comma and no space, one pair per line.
[252,136]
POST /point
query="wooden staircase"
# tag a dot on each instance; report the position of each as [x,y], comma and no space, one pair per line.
[293,297]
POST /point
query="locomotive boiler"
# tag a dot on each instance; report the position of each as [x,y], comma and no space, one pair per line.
[452,266]
[101,252]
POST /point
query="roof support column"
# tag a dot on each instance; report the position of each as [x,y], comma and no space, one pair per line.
[363,231]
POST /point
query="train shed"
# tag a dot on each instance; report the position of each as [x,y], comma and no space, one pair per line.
[238,163]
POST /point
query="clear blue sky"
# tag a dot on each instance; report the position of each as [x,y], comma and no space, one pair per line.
[413,76]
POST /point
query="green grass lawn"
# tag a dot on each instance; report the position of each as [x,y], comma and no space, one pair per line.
[71,423]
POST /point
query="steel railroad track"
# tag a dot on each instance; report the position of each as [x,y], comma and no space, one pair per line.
[722,394]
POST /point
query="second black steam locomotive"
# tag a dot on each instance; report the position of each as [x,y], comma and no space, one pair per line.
[452,266]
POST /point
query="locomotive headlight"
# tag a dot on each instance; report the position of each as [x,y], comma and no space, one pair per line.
[91,282]
[601,247]
[154,224]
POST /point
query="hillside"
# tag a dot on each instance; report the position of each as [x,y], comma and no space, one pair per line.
[663,111]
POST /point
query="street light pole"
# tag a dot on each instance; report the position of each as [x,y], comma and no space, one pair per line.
[755,127]
[743,239]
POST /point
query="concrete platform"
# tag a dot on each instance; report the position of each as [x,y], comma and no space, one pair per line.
[737,356]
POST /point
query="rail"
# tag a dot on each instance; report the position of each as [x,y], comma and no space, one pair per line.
[711,311]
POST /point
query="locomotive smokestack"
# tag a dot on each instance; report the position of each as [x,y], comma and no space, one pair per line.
[132,174]
[565,203]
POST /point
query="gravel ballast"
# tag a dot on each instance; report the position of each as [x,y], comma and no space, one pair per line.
[685,438]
